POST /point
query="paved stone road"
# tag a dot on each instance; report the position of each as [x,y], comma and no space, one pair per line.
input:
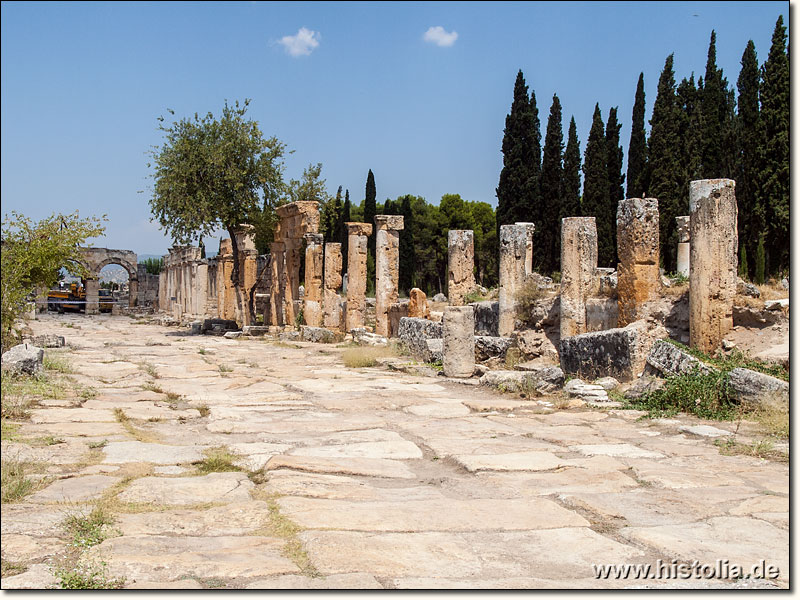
[366,477]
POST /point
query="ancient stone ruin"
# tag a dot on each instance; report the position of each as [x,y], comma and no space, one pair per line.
[578,265]
[387,267]
[638,277]
[357,234]
[460,265]
[682,224]
[332,302]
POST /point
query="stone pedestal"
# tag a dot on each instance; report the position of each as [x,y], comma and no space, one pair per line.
[357,234]
[513,268]
[332,302]
[460,265]
[638,277]
[458,344]
[713,261]
[387,268]
[312,300]
[683,245]
[578,264]
[92,296]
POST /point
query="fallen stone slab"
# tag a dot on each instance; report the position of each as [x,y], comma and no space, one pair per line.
[255,330]
[754,388]
[362,337]
[218,326]
[318,335]
[543,380]
[513,461]
[415,332]
[667,359]
[75,489]
[215,487]
[370,467]
[48,341]
[620,353]
[160,454]
[24,359]
[777,304]
[487,347]
[232,335]
[143,557]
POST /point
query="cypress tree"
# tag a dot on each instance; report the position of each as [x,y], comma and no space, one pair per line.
[637,148]
[407,236]
[571,203]
[531,209]
[666,181]
[615,178]
[760,273]
[596,187]
[749,142]
[775,171]
[711,111]
[690,153]
[514,186]
[369,217]
[343,228]
[551,190]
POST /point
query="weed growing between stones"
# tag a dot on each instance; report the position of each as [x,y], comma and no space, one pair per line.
[204,410]
[365,356]
[9,569]
[281,526]
[57,363]
[527,296]
[218,460]
[735,359]
[19,392]
[150,369]
[137,434]
[706,395]
[15,480]
[87,530]
[151,387]
[87,575]
[764,448]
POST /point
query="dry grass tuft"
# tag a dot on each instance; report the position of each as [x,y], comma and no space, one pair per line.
[365,356]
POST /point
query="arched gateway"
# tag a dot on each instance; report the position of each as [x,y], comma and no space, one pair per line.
[97,258]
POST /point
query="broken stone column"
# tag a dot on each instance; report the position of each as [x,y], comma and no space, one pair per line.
[513,265]
[312,300]
[638,277]
[387,268]
[331,302]
[578,264]
[418,304]
[357,234]
[713,260]
[529,230]
[683,245]
[458,345]
[460,265]
[92,296]
[276,292]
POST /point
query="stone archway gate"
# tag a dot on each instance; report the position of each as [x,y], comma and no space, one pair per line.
[97,258]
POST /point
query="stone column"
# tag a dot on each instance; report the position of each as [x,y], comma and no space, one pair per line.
[529,230]
[312,301]
[201,288]
[92,296]
[458,344]
[291,278]
[276,291]
[133,292]
[331,302]
[713,261]
[513,258]
[578,264]
[387,268]
[356,273]
[460,265]
[638,277]
[683,245]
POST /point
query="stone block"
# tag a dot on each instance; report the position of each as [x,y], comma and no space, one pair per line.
[414,333]
[513,260]
[458,347]
[665,359]
[363,337]
[319,335]
[578,265]
[255,330]
[356,228]
[48,341]
[487,347]
[397,311]
[637,246]
[620,353]
[754,388]
[460,265]
[487,317]
[418,304]
[23,358]
[545,380]
[219,325]
[601,314]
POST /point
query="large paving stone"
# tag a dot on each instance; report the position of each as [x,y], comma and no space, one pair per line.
[215,487]
[371,467]
[145,557]
[379,450]
[620,450]
[338,487]
[20,548]
[160,454]
[438,410]
[515,461]
[38,577]
[445,514]
[31,519]
[72,415]
[75,489]
[345,581]
[239,518]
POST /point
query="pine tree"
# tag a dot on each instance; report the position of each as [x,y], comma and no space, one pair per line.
[666,181]
[616,192]
[749,143]
[551,191]
[514,187]
[369,217]
[595,188]
[775,171]
[571,202]
[637,149]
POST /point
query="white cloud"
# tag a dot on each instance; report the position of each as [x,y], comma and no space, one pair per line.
[301,44]
[437,35]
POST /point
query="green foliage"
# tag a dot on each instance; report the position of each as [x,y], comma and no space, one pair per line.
[615,190]
[87,530]
[761,262]
[743,262]
[219,459]
[87,575]
[706,395]
[735,359]
[527,297]
[153,266]
[547,251]
[571,201]
[637,149]
[15,480]
[33,253]
[310,187]
[715,122]
[595,188]
[370,208]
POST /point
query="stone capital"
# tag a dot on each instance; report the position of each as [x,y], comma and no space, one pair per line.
[313,238]
[359,228]
[394,222]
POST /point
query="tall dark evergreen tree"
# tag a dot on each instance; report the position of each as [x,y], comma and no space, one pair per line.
[616,191]
[595,201]
[551,192]
[346,218]
[749,143]
[666,182]
[775,171]
[571,200]
[716,119]
[531,210]
[408,265]
[690,152]
[637,148]
[369,217]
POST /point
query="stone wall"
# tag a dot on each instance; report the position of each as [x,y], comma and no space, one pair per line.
[148,287]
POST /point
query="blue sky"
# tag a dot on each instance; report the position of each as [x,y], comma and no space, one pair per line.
[354,86]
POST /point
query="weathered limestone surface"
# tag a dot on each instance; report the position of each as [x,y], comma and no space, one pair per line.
[713,260]
[667,359]
[458,349]
[638,278]
[312,299]
[753,387]
[387,268]
[540,381]
[397,311]
[620,353]
[23,358]
[578,264]
[357,234]
[682,224]
[414,333]
[513,261]
[332,302]
[95,259]
[460,265]
[418,304]
[487,317]
[487,347]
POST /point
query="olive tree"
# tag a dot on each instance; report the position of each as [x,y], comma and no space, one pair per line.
[217,173]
